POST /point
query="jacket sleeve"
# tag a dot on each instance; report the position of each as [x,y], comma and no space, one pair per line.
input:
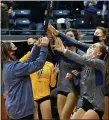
[53,77]
[69,41]
[34,55]
[95,63]
[26,68]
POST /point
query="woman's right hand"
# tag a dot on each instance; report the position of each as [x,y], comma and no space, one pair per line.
[43,42]
[58,45]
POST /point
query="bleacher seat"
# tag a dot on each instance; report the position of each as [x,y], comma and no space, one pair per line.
[21,13]
[22,22]
[77,16]
[61,13]
[89,33]
[63,23]
[76,11]
[39,28]
[101,22]
[99,12]
[11,23]
[51,21]
[79,23]
[82,12]
[26,33]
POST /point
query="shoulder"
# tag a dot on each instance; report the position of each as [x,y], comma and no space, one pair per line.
[49,64]
[25,57]
[99,62]
[13,64]
[10,65]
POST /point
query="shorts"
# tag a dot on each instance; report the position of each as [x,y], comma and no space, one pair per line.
[87,105]
[63,93]
[43,99]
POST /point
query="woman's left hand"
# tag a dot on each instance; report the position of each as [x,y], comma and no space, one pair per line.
[39,73]
[56,68]
[58,44]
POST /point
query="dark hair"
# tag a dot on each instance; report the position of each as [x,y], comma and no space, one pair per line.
[105,55]
[5,48]
[106,33]
[75,32]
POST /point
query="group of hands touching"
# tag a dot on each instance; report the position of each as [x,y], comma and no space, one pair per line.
[58,46]
[52,33]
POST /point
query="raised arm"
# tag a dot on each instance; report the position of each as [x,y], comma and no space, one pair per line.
[69,41]
[36,49]
[95,63]
[34,54]
[51,31]
[26,68]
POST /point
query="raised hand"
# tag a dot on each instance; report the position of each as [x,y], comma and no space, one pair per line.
[37,42]
[58,44]
[51,31]
[39,73]
[44,41]
[56,68]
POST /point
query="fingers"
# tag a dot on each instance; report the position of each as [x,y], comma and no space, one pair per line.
[56,68]
[39,73]
[44,41]
[58,41]
[37,42]
[49,33]
[57,48]
[56,65]
[52,29]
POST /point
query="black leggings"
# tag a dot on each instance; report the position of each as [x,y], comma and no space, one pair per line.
[29,117]
[87,105]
